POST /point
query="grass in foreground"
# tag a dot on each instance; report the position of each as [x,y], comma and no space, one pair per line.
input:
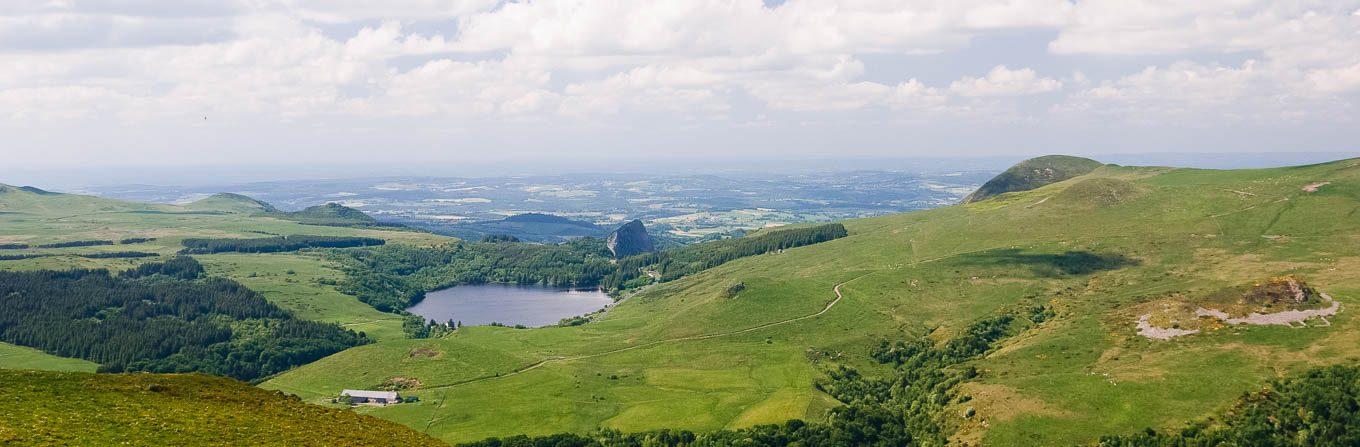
[56,408]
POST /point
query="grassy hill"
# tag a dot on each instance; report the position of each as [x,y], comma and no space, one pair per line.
[294,281]
[232,203]
[1098,249]
[1034,173]
[153,409]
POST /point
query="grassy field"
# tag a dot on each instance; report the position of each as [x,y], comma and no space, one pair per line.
[20,357]
[1093,248]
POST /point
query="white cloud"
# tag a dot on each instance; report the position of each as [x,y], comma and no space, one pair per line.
[432,65]
[1002,81]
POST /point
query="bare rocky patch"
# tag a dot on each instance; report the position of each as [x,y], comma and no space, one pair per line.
[1284,301]
[1313,187]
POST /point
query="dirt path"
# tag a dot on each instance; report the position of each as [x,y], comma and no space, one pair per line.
[536,365]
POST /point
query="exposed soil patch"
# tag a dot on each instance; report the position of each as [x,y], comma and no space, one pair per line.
[1284,301]
[1284,318]
[1146,329]
[1313,187]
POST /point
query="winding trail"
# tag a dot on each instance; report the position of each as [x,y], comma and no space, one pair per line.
[536,365]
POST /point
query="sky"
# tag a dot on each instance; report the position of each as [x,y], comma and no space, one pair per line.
[103,85]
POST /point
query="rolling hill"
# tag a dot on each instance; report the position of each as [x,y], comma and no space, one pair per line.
[1098,250]
[1033,173]
[1104,301]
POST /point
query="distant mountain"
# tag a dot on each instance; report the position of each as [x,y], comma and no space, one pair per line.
[630,239]
[232,203]
[35,201]
[542,219]
[331,214]
[527,227]
[1034,173]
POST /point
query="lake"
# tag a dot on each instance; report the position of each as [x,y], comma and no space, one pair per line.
[507,304]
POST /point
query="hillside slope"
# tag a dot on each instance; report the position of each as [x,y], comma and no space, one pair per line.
[1099,250]
[1033,173]
[153,409]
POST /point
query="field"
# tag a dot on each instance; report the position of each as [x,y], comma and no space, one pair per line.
[20,357]
[1093,248]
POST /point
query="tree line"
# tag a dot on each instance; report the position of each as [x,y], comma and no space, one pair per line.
[274,244]
[161,317]
[673,264]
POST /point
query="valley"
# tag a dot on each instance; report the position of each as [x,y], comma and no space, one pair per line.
[1046,286]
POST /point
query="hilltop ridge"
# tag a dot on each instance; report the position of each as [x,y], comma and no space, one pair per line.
[232,202]
[1034,173]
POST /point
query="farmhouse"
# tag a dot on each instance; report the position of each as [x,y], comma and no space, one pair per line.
[370,397]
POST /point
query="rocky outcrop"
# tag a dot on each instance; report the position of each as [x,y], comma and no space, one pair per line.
[630,239]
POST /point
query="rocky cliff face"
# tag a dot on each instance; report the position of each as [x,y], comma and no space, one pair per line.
[630,239]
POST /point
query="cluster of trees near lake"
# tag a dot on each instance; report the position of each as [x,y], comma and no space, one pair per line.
[393,277]
[161,317]
[907,407]
[274,244]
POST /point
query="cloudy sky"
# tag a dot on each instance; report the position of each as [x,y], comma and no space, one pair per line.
[161,82]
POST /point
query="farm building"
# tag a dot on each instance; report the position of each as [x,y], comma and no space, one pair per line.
[370,397]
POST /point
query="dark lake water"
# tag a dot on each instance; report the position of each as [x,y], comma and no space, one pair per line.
[508,304]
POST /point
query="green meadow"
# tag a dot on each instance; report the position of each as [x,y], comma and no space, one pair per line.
[1083,374]
[1097,249]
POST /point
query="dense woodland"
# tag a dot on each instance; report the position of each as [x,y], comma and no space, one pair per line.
[396,276]
[160,317]
[906,407]
[274,244]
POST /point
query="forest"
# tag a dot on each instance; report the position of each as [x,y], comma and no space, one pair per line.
[273,244]
[394,277]
[160,317]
